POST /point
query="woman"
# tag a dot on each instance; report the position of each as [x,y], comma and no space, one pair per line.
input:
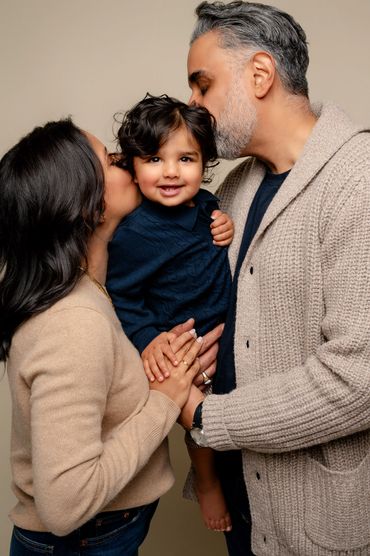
[89,455]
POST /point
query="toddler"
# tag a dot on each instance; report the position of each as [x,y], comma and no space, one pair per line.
[167,260]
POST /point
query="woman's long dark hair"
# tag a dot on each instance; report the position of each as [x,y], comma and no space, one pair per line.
[51,199]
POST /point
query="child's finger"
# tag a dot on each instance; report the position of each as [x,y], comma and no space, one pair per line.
[221,229]
[154,369]
[216,213]
[224,236]
[220,221]
[160,360]
[224,243]
[148,372]
[168,352]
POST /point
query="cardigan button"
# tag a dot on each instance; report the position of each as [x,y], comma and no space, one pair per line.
[247,344]
[258,476]
[251,270]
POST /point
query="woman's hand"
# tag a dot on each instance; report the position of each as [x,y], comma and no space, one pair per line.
[177,385]
[155,354]
[222,228]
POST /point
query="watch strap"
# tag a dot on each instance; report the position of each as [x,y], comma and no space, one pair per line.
[197,417]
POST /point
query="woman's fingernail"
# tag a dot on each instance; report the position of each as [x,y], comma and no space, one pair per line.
[193,333]
[200,339]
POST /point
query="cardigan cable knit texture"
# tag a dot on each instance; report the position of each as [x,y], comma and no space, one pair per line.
[87,433]
[301,409]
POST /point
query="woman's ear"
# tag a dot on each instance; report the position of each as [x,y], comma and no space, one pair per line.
[263,73]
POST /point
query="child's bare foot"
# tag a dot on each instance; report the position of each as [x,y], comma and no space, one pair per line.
[213,506]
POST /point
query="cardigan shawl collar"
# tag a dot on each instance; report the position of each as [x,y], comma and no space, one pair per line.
[319,149]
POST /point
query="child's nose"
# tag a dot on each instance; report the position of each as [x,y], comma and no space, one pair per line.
[171,169]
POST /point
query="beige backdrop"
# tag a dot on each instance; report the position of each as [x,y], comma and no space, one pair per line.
[91,58]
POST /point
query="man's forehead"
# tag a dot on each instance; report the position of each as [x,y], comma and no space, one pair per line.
[204,51]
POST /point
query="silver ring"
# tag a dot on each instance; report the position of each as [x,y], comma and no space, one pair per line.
[206,379]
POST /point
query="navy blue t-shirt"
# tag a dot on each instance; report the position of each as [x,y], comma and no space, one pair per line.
[164,268]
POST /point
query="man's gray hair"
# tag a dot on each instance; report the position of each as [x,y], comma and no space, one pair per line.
[251,27]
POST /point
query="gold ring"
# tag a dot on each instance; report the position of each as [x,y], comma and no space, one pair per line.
[206,379]
[185,362]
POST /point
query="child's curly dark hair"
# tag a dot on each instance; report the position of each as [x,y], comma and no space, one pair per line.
[146,127]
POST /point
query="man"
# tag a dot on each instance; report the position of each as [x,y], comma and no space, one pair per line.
[289,415]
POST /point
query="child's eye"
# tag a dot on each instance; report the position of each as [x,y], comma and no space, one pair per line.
[186,159]
[153,159]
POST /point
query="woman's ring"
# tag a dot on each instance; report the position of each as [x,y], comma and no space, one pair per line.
[206,379]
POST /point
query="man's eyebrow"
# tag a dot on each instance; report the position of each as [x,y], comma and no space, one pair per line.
[196,76]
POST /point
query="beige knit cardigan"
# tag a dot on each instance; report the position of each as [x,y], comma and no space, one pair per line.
[301,409]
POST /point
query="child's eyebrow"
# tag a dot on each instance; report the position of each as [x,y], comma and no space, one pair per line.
[190,153]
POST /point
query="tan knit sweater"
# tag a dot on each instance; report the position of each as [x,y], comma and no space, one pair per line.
[301,410]
[87,434]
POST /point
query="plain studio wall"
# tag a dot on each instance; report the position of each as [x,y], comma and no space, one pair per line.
[90,59]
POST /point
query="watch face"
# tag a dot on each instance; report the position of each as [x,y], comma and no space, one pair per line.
[199,437]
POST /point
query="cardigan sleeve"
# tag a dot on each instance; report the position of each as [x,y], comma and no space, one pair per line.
[328,397]
[77,472]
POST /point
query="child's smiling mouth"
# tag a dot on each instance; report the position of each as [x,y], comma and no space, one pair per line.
[170,190]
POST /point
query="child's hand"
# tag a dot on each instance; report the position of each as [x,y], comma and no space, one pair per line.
[222,228]
[153,357]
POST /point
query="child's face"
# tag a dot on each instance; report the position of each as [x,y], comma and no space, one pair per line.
[174,174]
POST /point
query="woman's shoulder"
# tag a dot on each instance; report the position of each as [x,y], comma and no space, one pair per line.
[86,303]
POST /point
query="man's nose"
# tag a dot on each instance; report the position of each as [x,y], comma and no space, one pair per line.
[194,100]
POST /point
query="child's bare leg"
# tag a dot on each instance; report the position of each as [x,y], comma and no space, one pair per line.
[208,488]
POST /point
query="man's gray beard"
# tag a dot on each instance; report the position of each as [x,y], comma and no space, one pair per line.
[236,124]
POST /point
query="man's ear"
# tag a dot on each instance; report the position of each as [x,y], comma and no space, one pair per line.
[262,65]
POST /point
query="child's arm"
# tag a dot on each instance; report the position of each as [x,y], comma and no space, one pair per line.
[222,228]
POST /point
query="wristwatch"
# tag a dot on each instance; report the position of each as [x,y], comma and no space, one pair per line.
[196,431]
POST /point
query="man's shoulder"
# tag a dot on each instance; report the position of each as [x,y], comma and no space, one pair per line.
[237,177]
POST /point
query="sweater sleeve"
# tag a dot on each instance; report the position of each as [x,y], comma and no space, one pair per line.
[328,397]
[77,472]
[133,261]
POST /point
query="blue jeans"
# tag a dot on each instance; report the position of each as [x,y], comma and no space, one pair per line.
[118,533]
